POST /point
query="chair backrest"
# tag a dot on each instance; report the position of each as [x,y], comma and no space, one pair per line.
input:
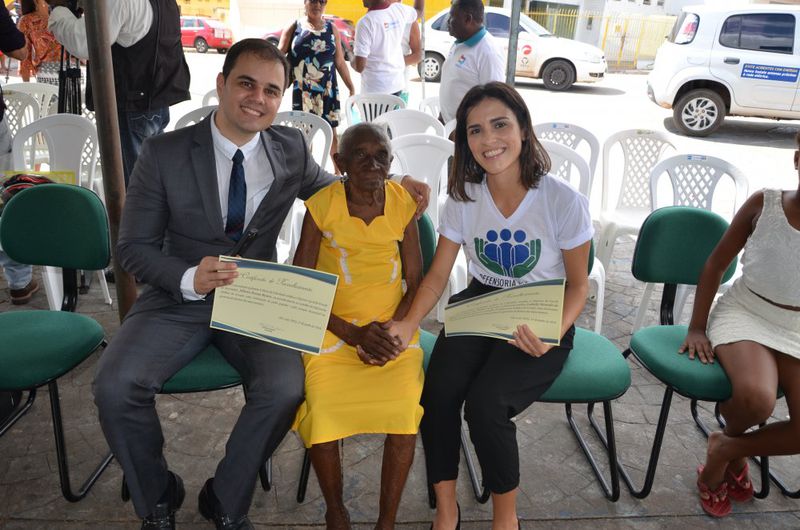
[46,95]
[310,125]
[67,136]
[427,241]
[568,165]
[449,127]
[58,225]
[641,150]
[210,98]
[21,109]
[367,107]
[401,122]
[574,137]
[674,244]
[430,106]
[694,179]
[194,116]
[424,157]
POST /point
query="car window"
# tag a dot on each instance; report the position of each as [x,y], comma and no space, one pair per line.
[497,25]
[440,24]
[765,32]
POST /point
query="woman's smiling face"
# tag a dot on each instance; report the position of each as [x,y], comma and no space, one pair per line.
[494,136]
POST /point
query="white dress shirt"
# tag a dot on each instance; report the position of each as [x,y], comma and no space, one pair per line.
[128,23]
[258,177]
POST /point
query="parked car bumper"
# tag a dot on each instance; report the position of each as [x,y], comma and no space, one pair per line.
[590,72]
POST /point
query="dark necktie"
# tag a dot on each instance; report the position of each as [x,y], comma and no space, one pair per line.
[237,198]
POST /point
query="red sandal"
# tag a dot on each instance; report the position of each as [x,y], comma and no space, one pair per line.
[714,502]
[740,487]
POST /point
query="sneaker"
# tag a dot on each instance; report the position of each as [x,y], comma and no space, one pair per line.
[23,296]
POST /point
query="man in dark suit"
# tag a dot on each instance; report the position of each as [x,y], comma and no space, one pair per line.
[193,192]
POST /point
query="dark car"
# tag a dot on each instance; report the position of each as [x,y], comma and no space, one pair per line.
[203,33]
[346,29]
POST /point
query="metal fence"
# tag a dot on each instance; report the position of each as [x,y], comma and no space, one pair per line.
[629,40]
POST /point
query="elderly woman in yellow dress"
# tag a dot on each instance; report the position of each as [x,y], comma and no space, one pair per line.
[363,229]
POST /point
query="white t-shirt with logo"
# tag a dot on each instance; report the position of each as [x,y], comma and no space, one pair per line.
[470,63]
[379,38]
[525,247]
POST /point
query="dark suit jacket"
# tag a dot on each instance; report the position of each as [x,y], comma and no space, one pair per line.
[172,217]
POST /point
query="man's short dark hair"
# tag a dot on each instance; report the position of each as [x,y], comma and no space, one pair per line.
[473,7]
[261,48]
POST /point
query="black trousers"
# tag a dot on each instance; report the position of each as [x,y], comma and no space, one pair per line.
[494,381]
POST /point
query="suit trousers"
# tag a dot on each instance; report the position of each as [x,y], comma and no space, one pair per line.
[146,351]
[494,381]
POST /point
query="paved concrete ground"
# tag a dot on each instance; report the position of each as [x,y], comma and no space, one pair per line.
[557,489]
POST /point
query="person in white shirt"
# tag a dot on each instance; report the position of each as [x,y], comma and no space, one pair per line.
[378,49]
[150,71]
[517,224]
[475,58]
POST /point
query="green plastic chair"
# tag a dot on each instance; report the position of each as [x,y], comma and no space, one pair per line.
[61,226]
[673,246]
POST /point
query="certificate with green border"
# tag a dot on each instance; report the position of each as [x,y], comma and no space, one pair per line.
[277,303]
[497,314]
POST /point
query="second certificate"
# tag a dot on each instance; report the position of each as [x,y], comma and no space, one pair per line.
[497,314]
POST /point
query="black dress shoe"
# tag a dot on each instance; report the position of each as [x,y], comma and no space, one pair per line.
[163,516]
[211,509]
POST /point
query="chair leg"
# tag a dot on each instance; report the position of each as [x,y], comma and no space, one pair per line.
[305,470]
[265,474]
[654,452]
[19,412]
[611,491]
[762,462]
[61,451]
[482,494]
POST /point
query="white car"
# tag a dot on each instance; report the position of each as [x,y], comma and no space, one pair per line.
[559,62]
[740,61]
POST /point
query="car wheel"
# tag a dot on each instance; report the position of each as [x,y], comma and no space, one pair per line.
[200,45]
[431,67]
[558,75]
[222,51]
[699,112]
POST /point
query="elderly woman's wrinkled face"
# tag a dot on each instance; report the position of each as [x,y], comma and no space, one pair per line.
[366,159]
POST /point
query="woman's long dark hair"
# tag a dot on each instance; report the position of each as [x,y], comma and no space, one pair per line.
[27,6]
[533,159]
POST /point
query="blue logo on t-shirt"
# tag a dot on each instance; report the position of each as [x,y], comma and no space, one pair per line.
[505,257]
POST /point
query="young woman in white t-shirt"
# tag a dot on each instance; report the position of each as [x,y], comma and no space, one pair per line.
[517,224]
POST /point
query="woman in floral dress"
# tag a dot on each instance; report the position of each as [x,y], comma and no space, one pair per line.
[44,52]
[313,46]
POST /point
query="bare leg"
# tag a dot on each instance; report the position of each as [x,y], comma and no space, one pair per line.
[504,506]
[334,150]
[328,467]
[780,438]
[398,454]
[446,506]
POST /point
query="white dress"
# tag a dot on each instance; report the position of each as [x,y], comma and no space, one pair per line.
[771,268]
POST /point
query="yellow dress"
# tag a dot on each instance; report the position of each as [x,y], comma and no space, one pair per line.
[344,396]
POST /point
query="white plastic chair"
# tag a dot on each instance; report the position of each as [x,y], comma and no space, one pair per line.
[693,180]
[21,110]
[571,165]
[401,122]
[574,137]
[641,151]
[194,116]
[367,107]
[46,95]
[430,106]
[310,125]
[66,136]
[424,157]
[210,98]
